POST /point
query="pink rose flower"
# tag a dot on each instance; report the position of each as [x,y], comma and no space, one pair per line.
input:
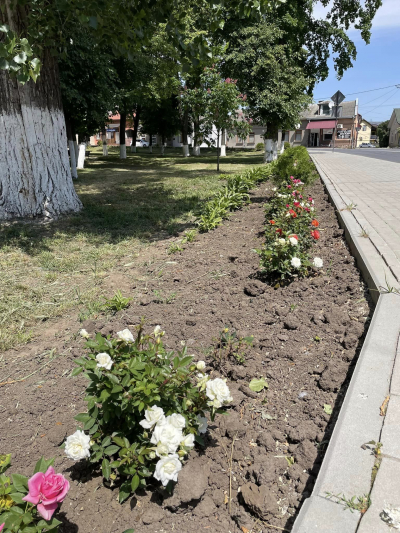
[46,491]
[2,525]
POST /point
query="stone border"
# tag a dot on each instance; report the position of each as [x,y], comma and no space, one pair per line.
[347,467]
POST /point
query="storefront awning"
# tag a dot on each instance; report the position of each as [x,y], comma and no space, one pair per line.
[321,125]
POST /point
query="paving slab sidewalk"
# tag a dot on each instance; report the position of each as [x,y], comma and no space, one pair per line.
[374,186]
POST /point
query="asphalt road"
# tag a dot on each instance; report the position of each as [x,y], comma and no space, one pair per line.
[385,154]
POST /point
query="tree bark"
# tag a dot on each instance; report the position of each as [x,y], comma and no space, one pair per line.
[104,141]
[122,136]
[35,175]
[135,127]
[218,134]
[72,155]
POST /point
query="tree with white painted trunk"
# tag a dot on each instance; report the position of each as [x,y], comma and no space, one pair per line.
[35,174]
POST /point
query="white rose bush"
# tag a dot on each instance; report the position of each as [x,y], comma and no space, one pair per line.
[146,408]
[290,232]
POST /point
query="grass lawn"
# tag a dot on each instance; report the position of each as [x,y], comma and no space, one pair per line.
[49,269]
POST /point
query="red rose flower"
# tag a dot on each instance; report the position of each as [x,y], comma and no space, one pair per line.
[272,222]
[293,213]
[294,237]
[315,223]
[316,234]
[279,231]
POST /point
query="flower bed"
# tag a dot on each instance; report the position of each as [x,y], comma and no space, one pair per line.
[260,460]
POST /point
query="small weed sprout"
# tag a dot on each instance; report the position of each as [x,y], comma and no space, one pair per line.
[174,248]
[117,302]
[231,345]
[388,289]
[160,299]
[364,233]
[355,503]
[190,236]
[349,207]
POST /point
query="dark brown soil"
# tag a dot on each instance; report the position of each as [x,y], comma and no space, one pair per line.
[306,339]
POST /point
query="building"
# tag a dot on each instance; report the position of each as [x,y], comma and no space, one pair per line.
[394,129]
[317,126]
[364,133]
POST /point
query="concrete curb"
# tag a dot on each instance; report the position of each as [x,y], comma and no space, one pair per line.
[347,467]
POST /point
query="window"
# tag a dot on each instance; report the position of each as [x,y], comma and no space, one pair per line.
[154,139]
[298,135]
[326,110]
[364,128]
[252,138]
[327,136]
[239,140]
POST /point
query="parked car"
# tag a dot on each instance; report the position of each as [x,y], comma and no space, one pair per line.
[366,145]
[141,142]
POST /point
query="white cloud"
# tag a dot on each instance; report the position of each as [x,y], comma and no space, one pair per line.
[387,16]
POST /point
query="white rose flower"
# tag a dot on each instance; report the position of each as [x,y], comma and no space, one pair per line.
[77,446]
[203,424]
[281,242]
[312,209]
[125,335]
[167,469]
[188,441]
[161,449]
[202,380]
[274,189]
[218,392]
[318,262]
[293,241]
[153,415]
[104,361]
[176,420]
[152,455]
[167,434]
[200,365]
[83,333]
[295,262]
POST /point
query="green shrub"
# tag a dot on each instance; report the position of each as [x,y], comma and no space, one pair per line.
[286,145]
[146,407]
[290,231]
[232,196]
[295,162]
[259,147]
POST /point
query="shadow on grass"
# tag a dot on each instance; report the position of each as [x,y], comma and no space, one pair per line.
[143,197]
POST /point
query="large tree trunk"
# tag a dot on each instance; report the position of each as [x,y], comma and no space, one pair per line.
[35,176]
[122,136]
[196,137]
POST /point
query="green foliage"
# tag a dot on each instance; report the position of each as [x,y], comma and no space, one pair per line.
[117,302]
[286,145]
[230,345]
[295,162]
[259,147]
[143,374]
[383,134]
[17,57]
[17,515]
[216,101]
[231,197]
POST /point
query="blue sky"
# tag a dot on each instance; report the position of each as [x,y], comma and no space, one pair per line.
[377,65]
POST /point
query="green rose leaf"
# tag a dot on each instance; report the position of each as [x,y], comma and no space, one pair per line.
[135,482]
[125,491]
[110,450]
[258,384]
[20,483]
[106,469]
